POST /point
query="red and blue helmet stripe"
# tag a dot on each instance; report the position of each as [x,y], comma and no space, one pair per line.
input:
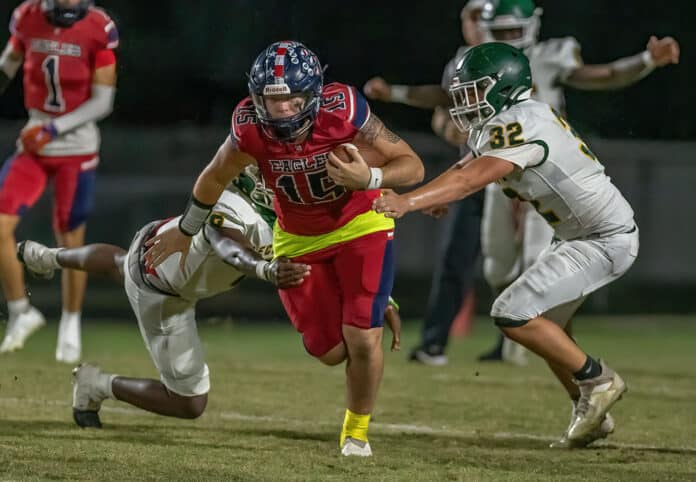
[286,67]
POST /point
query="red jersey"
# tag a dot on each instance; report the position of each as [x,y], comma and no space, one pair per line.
[59,62]
[307,201]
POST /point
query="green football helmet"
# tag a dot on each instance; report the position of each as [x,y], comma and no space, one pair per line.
[515,22]
[251,184]
[490,78]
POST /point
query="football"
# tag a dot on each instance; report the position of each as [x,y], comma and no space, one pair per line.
[372,157]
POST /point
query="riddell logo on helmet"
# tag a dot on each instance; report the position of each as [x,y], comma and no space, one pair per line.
[276,89]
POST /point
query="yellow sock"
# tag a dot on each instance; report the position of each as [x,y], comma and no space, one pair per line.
[354,426]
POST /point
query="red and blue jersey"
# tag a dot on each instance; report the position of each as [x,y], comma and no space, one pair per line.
[307,201]
[59,63]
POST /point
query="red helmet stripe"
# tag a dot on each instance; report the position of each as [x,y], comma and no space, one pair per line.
[279,68]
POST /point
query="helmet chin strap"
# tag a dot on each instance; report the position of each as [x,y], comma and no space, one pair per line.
[272,132]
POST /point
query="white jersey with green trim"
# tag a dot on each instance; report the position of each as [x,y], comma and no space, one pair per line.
[555,171]
[205,274]
[551,62]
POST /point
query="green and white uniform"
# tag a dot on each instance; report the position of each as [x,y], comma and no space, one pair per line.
[164,301]
[556,173]
[507,249]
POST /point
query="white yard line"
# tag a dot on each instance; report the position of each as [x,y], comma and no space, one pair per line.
[389,427]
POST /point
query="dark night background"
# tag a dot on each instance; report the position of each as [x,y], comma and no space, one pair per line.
[182,67]
[185,61]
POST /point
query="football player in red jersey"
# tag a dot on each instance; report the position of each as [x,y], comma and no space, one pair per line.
[66,47]
[289,126]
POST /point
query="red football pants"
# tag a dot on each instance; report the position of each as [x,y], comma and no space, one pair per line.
[349,284]
[23,179]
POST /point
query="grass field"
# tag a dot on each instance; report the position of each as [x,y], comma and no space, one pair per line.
[274,413]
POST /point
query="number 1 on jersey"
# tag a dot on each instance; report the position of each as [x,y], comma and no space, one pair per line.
[54,101]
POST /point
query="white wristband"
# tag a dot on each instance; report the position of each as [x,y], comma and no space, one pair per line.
[261,270]
[648,60]
[376,177]
[399,93]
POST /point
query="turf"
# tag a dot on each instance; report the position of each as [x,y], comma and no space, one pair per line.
[274,413]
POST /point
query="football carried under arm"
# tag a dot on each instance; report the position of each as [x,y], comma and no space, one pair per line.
[627,70]
[395,163]
[10,61]
[449,186]
[227,163]
[231,246]
[423,96]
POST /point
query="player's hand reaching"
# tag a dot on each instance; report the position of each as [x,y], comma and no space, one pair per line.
[285,274]
[34,138]
[392,205]
[377,89]
[353,172]
[664,51]
[393,319]
[164,245]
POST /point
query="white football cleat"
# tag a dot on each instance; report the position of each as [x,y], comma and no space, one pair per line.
[356,447]
[87,397]
[40,260]
[21,328]
[68,351]
[69,345]
[605,428]
[597,395]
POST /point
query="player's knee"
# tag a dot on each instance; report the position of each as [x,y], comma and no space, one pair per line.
[71,238]
[334,356]
[362,343]
[193,407]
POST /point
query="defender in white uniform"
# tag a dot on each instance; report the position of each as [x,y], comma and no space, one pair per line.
[235,242]
[535,156]
[512,243]
[512,234]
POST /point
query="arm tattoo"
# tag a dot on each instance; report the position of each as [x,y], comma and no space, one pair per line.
[375,128]
[390,136]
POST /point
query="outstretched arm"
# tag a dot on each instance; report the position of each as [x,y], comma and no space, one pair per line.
[627,70]
[423,96]
[451,185]
[231,246]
